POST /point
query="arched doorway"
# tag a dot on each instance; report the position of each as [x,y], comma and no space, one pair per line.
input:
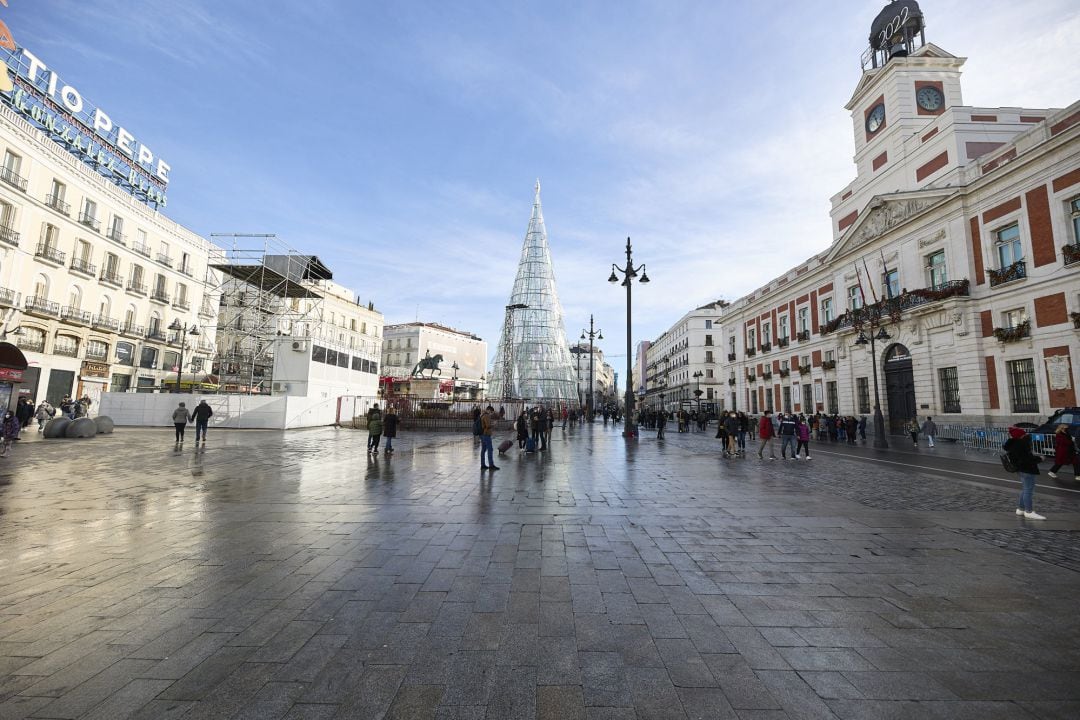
[899,387]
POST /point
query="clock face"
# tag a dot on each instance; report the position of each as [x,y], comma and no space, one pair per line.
[876,118]
[929,98]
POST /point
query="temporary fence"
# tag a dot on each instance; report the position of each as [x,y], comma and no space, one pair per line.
[419,414]
[989,439]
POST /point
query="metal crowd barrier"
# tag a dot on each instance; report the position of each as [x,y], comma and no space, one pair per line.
[990,439]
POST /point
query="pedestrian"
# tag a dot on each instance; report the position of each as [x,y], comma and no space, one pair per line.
[1018,447]
[1064,452]
[852,428]
[66,407]
[788,436]
[180,421]
[9,430]
[862,427]
[661,421]
[522,427]
[201,417]
[731,427]
[913,431]
[390,424]
[487,453]
[476,424]
[24,411]
[929,429]
[744,428]
[374,429]
[43,414]
[86,402]
[802,432]
[765,432]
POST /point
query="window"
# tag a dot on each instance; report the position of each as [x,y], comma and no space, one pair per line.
[827,309]
[112,265]
[12,163]
[148,359]
[170,361]
[708,356]
[1014,318]
[862,389]
[709,373]
[935,269]
[766,334]
[753,403]
[950,389]
[1022,389]
[97,350]
[50,235]
[116,228]
[804,319]
[155,325]
[833,399]
[807,399]
[7,215]
[89,209]
[181,294]
[830,356]
[140,235]
[185,263]
[708,324]
[55,198]
[751,336]
[854,297]
[769,399]
[136,275]
[784,332]
[1008,245]
[159,283]
[708,339]
[82,251]
[785,365]
[1074,215]
[731,344]
[890,283]
[786,395]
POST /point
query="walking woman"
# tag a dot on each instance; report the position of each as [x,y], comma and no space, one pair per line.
[1018,447]
[9,430]
[802,433]
[180,421]
[390,423]
[913,431]
[1064,452]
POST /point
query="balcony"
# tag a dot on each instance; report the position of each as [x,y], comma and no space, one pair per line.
[1008,274]
[110,278]
[803,336]
[1074,316]
[42,307]
[13,178]
[1071,253]
[116,236]
[804,369]
[783,342]
[31,344]
[155,335]
[766,347]
[828,365]
[731,382]
[81,265]
[181,304]
[751,377]
[141,248]
[104,322]
[164,259]
[136,287]
[207,310]
[785,372]
[8,297]
[9,236]
[57,203]
[159,295]
[1013,334]
[751,352]
[99,355]
[731,357]
[48,253]
[132,330]
[185,269]
[89,221]
[66,349]
[767,375]
[895,306]
[74,316]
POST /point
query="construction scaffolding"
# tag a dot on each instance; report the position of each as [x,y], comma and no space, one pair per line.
[265,293]
[533,359]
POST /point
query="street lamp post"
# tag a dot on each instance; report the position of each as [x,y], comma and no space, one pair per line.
[697,390]
[577,350]
[871,318]
[628,273]
[453,382]
[599,335]
[182,332]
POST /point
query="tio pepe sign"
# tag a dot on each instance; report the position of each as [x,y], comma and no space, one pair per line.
[86,131]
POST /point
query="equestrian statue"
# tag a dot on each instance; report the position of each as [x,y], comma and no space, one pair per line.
[430,363]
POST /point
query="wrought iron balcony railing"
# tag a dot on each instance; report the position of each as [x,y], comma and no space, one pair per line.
[110,278]
[141,248]
[766,347]
[42,306]
[13,178]
[75,315]
[803,336]
[155,335]
[66,349]
[767,375]
[783,342]
[731,357]
[1016,333]
[116,236]
[48,252]
[1009,273]
[785,372]
[9,236]
[8,297]
[90,221]
[82,265]
[895,306]
[132,330]
[804,369]
[105,322]
[828,365]
[751,352]
[159,295]
[1071,253]
[57,203]
[164,259]
[137,287]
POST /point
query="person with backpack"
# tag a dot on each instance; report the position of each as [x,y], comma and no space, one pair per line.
[1064,452]
[765,432]
[1018,455]
[374,429]
[45,411]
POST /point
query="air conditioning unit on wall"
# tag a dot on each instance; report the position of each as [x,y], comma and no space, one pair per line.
[299,345]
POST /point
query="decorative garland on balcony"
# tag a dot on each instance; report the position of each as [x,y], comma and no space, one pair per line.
[1076,319]
[1013,334]
[804,369]
[1071,253]
[828,365]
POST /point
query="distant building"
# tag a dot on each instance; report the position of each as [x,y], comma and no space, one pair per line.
[405,344]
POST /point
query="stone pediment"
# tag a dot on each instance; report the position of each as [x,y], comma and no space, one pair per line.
[882,215]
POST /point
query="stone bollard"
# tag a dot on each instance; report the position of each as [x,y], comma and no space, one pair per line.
[104,424]
[83,427]
[56,427]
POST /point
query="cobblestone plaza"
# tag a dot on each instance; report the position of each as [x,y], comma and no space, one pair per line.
[289,575]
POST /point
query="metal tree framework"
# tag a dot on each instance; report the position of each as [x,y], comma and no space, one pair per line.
[533,358]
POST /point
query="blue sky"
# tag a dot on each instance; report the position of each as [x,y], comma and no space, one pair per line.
[400,141]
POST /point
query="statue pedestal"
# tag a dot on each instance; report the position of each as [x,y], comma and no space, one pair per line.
[424,388]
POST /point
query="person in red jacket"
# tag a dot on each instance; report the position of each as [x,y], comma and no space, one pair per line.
[1064,452]
[766,433]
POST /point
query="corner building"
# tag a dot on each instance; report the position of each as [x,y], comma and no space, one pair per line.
[962,225]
